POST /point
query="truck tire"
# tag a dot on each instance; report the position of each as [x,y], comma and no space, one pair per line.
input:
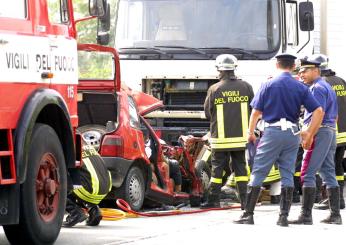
[43,194]
[133,188]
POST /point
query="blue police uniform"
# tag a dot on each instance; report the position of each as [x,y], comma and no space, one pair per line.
[280,101]
[320,157]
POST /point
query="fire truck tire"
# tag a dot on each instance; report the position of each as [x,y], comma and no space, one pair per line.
[43,194]
[133,188]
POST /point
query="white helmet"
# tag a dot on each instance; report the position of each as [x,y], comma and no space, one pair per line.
[226,62]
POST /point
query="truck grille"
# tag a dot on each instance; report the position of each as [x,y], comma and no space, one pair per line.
[196,98]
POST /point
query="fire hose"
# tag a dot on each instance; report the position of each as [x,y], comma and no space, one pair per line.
[126,211]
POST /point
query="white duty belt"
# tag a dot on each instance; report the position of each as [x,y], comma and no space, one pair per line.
[283,123]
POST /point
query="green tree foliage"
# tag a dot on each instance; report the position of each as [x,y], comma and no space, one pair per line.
[93,65]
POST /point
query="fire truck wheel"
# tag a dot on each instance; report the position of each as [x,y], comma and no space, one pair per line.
[133,188]
[43,194]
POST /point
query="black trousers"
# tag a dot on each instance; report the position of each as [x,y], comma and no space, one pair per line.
[219,159]
[339,157]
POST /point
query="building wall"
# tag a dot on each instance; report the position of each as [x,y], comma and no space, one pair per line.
[333,34]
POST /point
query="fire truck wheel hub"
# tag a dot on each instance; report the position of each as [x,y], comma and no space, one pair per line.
[50,187]
[47,187]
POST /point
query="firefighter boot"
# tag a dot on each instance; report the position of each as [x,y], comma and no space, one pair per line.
[95,216]
[324,204]
[334,204]
[305,216]
[76,216]
[318,194]
[251,200]
[213,197]
[285,205]
[296,195]
[242,188]
[342,200]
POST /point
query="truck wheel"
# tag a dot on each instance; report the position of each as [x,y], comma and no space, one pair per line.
[43,194]
[133,188]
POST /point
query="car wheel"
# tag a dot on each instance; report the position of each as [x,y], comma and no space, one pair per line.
[204,173]
[133,188]
[43,194]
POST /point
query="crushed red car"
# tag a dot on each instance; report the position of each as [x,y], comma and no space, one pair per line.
[111,119]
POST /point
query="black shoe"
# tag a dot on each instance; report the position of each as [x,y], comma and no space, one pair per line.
[246,218]
[213,201]
[76,216]
[275,199]
[95,216]
[322,205]
[282,221]
[208,204]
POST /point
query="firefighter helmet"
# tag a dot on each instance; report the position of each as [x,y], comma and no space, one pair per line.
[226,62]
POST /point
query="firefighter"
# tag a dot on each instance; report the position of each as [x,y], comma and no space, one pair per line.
[227,108]
[339,86]
[278,102]
[96,182]
[320,156]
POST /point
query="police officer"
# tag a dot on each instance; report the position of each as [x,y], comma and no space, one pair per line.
[339,86]
[227,108]
[320,156]
[96,183]
[278,102]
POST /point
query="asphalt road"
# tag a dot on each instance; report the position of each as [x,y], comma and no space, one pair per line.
[213,227]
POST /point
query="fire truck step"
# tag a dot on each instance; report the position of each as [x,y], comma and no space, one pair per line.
[7,164]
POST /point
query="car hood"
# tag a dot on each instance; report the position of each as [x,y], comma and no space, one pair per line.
[145,103]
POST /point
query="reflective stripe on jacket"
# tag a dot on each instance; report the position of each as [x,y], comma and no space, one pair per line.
[227,106]
[96,179]
[339,86]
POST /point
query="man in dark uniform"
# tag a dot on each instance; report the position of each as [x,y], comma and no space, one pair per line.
[339,86]
[96,183]
[320,156]
[227,108]
[278,103]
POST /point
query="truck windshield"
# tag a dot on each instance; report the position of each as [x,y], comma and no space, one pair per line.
[252,26]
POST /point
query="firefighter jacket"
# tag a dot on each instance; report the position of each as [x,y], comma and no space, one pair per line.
[339,86]
[227,106]
[95,178]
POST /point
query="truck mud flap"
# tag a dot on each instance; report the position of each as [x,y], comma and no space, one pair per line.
[9,204]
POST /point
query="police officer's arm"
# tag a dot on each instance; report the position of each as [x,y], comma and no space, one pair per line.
[314,103]
[207,105]
[255,116]
[308,134]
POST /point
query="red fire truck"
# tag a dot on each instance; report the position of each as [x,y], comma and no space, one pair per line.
[38,114]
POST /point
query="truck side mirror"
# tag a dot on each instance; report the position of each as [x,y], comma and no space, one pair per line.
[97,7]
[103,27]
[306,16]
